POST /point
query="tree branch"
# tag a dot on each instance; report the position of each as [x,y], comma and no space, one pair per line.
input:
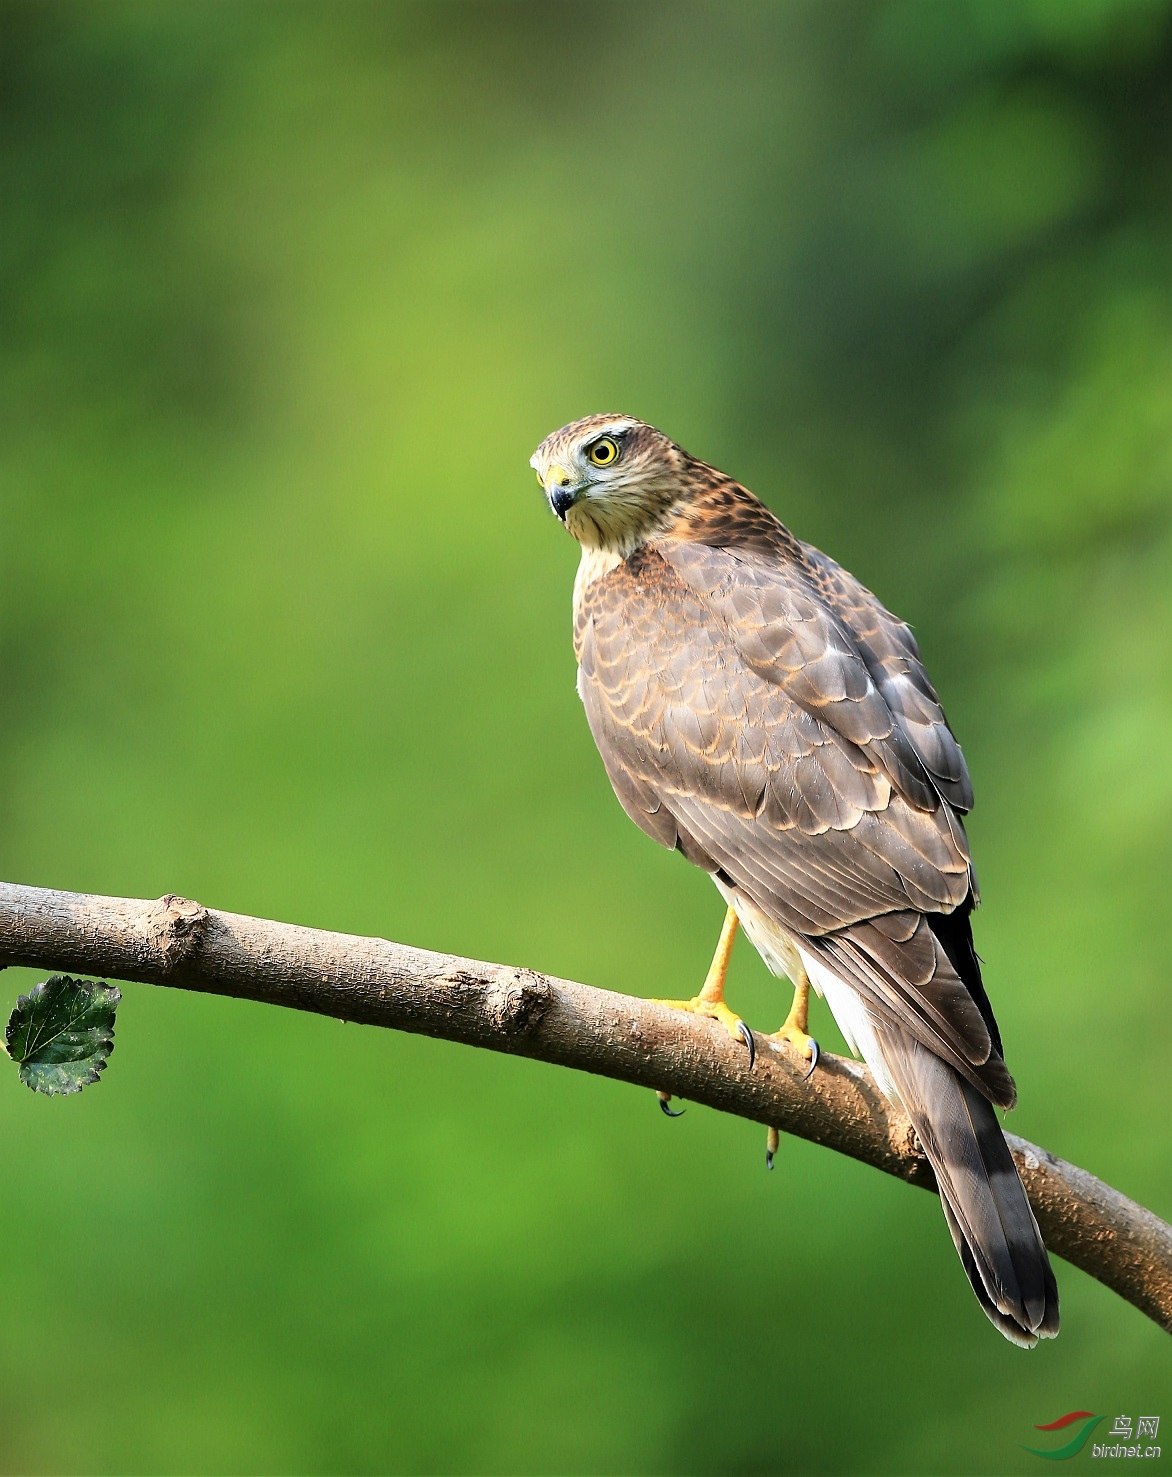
[178,943]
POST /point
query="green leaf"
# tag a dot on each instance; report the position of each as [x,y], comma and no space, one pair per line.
[61,1033]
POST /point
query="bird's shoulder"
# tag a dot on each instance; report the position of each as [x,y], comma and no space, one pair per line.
[778,579]
[795,616]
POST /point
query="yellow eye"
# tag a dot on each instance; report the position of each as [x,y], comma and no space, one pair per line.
[604,451]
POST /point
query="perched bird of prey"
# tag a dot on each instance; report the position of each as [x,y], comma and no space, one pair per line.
[759,710]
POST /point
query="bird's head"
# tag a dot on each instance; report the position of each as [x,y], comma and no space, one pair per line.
[610,478]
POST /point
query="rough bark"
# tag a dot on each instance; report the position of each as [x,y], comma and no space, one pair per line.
[178,943]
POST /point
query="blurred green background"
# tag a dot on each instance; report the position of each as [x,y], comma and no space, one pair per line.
[288,294]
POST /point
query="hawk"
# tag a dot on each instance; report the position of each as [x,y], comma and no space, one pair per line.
[757,709]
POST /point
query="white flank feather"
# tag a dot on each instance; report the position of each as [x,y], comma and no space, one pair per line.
[784,956]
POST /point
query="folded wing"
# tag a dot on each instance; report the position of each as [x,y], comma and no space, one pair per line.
[739,722]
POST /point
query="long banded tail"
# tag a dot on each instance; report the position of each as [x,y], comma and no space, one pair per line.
[984,1203]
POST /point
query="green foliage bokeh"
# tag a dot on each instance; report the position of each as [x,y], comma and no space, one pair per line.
[290,294]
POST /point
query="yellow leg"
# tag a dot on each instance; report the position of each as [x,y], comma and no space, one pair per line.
[710,1000]
[795,1032]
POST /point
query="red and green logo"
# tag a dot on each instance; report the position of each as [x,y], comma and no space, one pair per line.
[1086,1423]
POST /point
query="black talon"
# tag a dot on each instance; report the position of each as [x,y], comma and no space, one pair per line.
[768,1158]
[663,1103]
[747,1037]
[809,1072]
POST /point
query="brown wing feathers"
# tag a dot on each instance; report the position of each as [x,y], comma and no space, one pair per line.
[706,754]
[788,636]
[674,703]
[891,655]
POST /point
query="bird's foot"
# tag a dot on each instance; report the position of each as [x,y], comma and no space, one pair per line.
[799,1040]
[717,1010]
[669,1112]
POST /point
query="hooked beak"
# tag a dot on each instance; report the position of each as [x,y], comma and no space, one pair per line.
[562,499]
[561,491]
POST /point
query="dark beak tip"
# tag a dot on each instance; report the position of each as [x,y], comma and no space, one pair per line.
[561,500]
